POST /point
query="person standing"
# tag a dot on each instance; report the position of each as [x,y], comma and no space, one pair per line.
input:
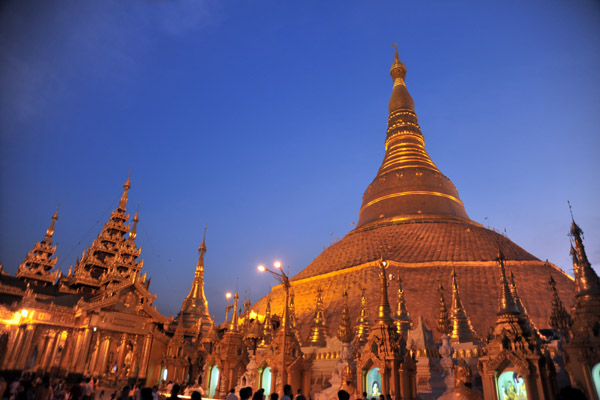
[299,396]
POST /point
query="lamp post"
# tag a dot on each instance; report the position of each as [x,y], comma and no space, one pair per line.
[228,307]
[280,276]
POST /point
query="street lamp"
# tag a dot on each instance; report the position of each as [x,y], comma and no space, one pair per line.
[228,307]
[281,277]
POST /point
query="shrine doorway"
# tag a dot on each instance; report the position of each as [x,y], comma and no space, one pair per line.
[511,386]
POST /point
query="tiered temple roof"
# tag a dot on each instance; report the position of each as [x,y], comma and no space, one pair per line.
[40,261]
[112,257]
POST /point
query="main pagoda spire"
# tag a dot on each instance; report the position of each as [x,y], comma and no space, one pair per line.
[408,185]
[194,311]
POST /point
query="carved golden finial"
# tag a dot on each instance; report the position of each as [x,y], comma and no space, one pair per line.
[506,302]
[318,329]
[560,319]
[384,315]
[202,247]
[363,325]
[267,334]
[398,70]
[50,230]
[462,330]
[586,279]
[345,332]
[444,325]
[403,321]
[126,187]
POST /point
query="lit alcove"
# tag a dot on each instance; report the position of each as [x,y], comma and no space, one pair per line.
[265,382]
[511,386]
[214,380]
[373,383]
[596,378]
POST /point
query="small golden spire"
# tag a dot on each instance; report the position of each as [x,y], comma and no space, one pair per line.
[506,302]
[384,315]
[524,316]
[560,319]
[345,332]
[403,321]
[444,325]
[50,230]
[136,218]
[318,329]
[363,325]
[126,187]
[292,317]
[462,330]
[233,327]
[267,333]
[586,279]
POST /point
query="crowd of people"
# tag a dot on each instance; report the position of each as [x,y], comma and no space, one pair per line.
[28,387]
[246,394]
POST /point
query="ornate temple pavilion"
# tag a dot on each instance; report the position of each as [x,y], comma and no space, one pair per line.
[412,216]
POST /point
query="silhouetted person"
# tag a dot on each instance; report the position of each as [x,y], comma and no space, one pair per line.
[287,393]
[196,395]
[343,395]
[146,394]
[571,393]
[175,392]
[125,393]
[300,396]
[245,393]
[274,396]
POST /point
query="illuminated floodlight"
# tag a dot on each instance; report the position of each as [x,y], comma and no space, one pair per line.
[24,313]
[262,268]
[277,264]
[228,295]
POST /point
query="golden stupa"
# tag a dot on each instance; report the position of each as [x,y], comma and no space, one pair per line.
[412,217]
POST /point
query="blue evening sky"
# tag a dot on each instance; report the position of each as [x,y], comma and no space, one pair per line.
[266,120]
